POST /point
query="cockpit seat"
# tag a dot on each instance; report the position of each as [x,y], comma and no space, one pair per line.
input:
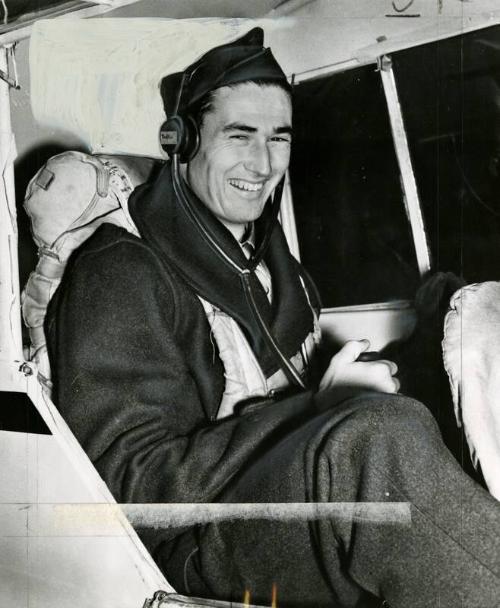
[471,353]
[67,200]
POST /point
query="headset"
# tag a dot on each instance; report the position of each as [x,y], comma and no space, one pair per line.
[179,135]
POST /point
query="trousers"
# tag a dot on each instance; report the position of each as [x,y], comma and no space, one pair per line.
[373,448]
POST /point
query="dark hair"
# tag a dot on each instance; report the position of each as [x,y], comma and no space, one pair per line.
[205,105]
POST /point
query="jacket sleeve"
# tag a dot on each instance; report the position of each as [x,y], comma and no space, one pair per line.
[125,388]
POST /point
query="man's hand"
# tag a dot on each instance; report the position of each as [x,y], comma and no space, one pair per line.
[345,370]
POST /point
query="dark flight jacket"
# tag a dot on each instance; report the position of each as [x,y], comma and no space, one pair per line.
[138,378]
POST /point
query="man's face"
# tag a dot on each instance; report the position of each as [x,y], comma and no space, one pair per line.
[244,152]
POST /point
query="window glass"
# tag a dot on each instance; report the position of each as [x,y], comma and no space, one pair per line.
[354,236]
[450,95]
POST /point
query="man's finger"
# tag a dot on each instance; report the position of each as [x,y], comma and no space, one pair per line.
[393,368]
[352,349]
[388,385]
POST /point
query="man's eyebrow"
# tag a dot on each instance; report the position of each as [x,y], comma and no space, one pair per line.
[237,126]
[280,130]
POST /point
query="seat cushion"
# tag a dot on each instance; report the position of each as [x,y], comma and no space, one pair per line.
[471,354]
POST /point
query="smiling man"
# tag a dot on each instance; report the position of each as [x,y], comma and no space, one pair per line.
[185,364]
[244,153]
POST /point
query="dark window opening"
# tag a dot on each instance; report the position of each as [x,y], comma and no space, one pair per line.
[354,236]
[450,95]
[26,11]
[17,413]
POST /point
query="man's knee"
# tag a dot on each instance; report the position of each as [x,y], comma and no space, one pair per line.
[395,411]
[393,418]
[367,441]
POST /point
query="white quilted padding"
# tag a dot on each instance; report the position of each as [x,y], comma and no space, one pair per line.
[471,353]
[100,78]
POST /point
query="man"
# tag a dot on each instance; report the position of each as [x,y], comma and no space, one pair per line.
[185,361]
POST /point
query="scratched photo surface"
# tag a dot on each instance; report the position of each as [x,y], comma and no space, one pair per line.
[390,202]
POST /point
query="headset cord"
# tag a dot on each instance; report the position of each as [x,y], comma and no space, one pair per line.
[287,366]
[273,216]
[191,213]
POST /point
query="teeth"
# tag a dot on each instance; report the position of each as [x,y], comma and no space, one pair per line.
[247,186]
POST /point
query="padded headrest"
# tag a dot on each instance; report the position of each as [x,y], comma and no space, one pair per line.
[99,79]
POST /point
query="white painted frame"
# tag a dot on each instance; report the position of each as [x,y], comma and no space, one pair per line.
[11,354]
[410,191]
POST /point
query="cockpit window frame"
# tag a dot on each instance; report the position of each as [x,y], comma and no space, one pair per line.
[409,190]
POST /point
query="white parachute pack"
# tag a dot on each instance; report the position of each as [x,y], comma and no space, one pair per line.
[66,201]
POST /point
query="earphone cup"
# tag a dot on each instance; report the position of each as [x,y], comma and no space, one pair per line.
[192,139]
[180,136]
[172,135]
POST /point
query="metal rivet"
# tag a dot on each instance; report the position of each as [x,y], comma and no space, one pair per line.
[26,369]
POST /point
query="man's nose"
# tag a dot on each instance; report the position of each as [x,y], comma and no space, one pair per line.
[259,160]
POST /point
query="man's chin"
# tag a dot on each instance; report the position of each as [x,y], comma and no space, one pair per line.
[247,211]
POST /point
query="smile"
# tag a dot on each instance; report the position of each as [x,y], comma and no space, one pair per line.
[241,184]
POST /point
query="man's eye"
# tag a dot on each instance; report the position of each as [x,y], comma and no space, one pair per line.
[240,136]
[281,140]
